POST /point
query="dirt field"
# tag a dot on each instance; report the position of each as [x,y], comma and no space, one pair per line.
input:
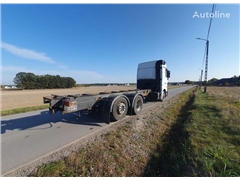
[27,98]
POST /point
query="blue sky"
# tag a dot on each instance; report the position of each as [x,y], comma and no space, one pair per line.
[104,43]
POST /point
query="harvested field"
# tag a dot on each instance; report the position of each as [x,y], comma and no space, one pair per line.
[229,93]
[28,98]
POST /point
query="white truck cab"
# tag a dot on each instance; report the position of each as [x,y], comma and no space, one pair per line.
[153,75]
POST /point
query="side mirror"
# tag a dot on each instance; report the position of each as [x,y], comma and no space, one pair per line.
[168,74]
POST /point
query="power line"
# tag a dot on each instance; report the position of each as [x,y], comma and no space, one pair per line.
[209,28]
[210,23]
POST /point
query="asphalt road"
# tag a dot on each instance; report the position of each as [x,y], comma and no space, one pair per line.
[32,135]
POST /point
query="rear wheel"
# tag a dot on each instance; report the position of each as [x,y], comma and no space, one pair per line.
[120,108]
[138,105]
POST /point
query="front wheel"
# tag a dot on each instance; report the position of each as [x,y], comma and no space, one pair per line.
[120,108]
[165,94]
[138,105]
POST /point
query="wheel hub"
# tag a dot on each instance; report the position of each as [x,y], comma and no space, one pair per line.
[121,108]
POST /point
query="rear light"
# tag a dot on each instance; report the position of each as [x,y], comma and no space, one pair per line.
[67,103]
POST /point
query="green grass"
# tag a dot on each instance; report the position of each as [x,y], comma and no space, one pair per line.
[22,110]
[203,141]
[214,129]
[52,169]
[170,158]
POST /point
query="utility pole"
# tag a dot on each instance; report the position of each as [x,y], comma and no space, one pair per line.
[206,64]
[206,68]
[201,79]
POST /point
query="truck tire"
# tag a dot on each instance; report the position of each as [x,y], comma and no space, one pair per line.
[138,105]
[120,109]
[164,95]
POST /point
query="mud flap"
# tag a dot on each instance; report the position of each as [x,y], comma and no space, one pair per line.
[51,111]
[106,109]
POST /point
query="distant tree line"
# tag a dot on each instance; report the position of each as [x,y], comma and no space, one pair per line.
[188,82]
[31,81]
[235,80]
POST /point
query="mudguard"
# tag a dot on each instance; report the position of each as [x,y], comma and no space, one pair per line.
[108,105]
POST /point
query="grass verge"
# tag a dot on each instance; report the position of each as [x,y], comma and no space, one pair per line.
[205,138]
[214,132]
[22,110]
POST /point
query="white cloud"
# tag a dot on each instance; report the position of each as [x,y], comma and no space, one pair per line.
[82,76]
[8,73]
[12,69]
[26,53]
[64,67]
[87,74]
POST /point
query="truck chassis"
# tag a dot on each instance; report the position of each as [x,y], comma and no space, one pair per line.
[114,105]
